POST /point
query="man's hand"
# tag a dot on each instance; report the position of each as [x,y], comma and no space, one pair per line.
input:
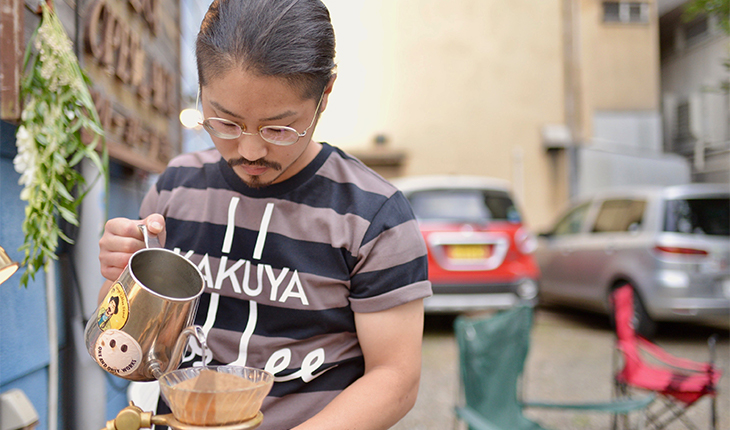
[122,238]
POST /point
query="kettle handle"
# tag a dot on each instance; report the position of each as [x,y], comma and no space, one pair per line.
[147,239]
[195,331]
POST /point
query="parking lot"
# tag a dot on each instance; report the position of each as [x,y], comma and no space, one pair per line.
[569,360]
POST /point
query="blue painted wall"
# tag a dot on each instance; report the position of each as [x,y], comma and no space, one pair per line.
[24,352]
[24,355]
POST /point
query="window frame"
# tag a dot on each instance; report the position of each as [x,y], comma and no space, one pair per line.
[581,210]
[624,12]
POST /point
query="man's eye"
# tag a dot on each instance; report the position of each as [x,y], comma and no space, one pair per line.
[226,125]
[220,124]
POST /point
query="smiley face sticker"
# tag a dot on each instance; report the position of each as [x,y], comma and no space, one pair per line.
[117,352]
[114,311]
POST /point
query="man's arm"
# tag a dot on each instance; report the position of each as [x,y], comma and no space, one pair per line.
[391,344]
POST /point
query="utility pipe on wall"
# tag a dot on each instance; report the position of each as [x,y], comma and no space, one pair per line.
[51,306]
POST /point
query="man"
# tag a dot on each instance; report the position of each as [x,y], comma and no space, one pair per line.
[315,266]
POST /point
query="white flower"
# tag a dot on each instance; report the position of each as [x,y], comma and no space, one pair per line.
[26,161]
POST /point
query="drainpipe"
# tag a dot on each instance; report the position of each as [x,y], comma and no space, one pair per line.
[52,315]
[572,82]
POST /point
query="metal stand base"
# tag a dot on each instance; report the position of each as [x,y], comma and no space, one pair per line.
[134,418]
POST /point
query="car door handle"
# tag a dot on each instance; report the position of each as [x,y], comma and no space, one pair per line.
[610,249]
[566,251]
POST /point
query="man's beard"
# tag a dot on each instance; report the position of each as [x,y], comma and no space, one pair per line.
[254,181]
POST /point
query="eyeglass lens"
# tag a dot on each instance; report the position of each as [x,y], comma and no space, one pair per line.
[230,130]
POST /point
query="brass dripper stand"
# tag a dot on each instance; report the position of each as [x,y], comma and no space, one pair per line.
[204,398]
[133,418]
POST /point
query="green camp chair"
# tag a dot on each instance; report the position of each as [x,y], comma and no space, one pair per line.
[492,354]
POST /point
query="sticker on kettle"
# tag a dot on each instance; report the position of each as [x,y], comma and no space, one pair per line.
[117,352]
[114,310]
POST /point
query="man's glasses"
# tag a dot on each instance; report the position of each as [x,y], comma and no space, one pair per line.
[276,134]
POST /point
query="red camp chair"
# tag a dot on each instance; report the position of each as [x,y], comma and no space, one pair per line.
[678,382]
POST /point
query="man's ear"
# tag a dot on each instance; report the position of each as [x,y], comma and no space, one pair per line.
[327,91]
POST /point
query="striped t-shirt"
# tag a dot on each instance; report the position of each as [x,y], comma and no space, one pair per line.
[287,265]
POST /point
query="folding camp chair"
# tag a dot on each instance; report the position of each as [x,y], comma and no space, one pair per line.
[678,382]
[492,353]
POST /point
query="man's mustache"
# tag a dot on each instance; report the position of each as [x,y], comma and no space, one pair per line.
[258,163]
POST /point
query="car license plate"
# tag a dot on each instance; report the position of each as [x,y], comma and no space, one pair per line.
[467,252]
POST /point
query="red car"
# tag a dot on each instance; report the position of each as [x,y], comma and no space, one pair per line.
[479,251]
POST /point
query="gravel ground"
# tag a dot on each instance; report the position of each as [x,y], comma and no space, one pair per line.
[569,360]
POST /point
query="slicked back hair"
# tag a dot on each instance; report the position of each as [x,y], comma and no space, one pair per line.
[290,39]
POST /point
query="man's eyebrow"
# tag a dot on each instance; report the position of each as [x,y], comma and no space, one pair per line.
[273,118]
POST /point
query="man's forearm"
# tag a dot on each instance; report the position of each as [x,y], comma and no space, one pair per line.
[376,401]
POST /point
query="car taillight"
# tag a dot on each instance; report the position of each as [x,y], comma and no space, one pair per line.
[526,242]
[676,250]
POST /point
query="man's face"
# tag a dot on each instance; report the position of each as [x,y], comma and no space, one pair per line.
[254,101]
[111,307]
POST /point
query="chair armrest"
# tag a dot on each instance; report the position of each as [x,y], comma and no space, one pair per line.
[617,406]
[671,360]
[474,419]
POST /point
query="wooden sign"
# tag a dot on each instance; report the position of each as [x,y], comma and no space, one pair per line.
[11,58]
[135,91]
[131,53]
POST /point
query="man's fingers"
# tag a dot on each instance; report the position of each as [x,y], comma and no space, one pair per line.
[155,223]
[156,227]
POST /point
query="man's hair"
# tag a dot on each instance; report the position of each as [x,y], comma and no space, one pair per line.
[290,39]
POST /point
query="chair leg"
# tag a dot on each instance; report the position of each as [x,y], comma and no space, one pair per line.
[624,421]
[711,345]
[676,414]
[614,417]
[656,416]
[642,420]
[653,416]
[689,424]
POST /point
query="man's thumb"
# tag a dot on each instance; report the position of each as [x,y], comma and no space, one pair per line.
[155,223]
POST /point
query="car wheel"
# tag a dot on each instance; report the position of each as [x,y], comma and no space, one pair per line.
[644,325]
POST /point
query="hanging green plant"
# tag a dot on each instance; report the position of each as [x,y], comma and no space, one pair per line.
[59,128]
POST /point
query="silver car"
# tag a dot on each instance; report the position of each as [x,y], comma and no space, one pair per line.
[671,244]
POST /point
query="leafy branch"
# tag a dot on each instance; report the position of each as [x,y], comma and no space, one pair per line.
[59,128]
[718,8]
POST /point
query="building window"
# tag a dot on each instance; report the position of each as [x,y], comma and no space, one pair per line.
[696,30]
[625,12]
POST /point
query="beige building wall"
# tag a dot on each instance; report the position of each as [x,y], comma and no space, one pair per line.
[619,63]
[467,86]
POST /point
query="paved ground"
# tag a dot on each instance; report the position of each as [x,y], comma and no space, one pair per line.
[569,360]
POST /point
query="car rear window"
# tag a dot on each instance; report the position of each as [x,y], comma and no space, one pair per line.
[464,205]
[709,216]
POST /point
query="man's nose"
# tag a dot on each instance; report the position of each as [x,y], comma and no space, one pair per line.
[251,147]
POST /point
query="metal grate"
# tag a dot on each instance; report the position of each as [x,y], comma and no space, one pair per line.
[683,138]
